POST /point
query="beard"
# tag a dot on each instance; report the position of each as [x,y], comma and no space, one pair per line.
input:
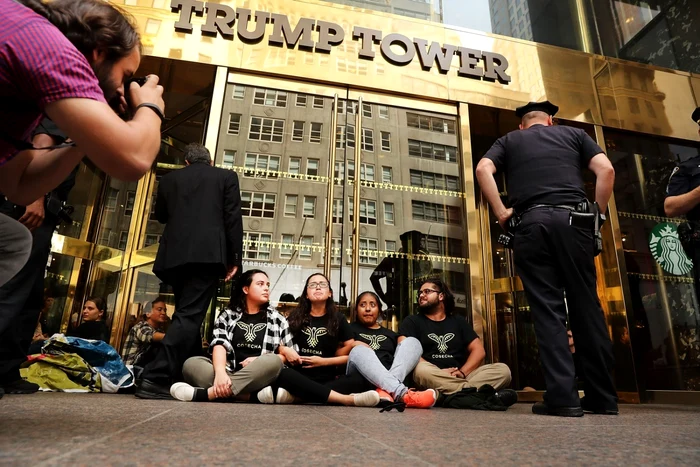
[107,84]
[427,306]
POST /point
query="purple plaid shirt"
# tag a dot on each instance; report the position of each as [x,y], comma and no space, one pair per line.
[38,66]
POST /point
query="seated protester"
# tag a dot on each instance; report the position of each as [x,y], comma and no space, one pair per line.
[145,333]
[93,325]
[324,338]
[246,337]
[382,361]
[452,352]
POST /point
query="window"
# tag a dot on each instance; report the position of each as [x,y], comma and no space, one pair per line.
[426,122]
[346,107]
[634,105]
[301,100]
[389,213]
[337,211]
[238,92]
[229,159]
[152,26]
[366,172]
[234,124]
[386,141]
[129,206]
[390,245]
[112,199]
[367,139]
[433,212]
[256,246]
[151,239]
[367,110]
[123,237]
[266,129]
[444,246]
[298,131]
[287,247]
[309,207]
[434,180]
[270,98]
[258,204]
[317,102]
[290,205]
[305,247]
[312,167]
[383,111]
[261,165]
[315,134]
[368,251]
[368,211]
[341,137]
[387,175]
[650,108]
[336,251]
[104,237]
[294,165]
[434,151]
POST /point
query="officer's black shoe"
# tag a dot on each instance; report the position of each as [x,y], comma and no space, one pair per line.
[19,386]
[598,409]
[541,408]
[507,397]
[150,390]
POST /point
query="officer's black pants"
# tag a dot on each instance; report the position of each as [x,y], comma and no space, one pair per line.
[551,257]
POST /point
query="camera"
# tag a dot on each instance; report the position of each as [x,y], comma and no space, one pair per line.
[127,84]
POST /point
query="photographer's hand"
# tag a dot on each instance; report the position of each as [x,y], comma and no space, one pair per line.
[34,214]
[150,93]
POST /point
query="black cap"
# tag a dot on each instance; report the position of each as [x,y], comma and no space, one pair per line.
[546,107]
[696,116]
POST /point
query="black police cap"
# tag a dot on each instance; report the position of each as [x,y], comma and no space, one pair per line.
[696,116]
[546,107]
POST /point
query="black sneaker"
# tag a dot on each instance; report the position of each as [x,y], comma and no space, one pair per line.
[507,397]
[541,408]
[598,409]
[150,390]
[20,386]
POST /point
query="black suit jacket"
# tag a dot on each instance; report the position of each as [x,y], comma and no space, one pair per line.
[201,207]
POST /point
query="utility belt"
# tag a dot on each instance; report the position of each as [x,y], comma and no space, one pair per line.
[689,236]
[584,215]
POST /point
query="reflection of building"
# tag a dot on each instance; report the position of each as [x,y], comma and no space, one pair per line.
[511,18]
[422,9]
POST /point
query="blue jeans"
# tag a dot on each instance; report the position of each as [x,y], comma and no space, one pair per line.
[364,361]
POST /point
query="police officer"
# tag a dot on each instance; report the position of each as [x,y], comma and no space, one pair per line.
[554,251]
[683,197]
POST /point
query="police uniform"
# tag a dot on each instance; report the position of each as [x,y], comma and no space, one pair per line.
[543,168]
[684,178]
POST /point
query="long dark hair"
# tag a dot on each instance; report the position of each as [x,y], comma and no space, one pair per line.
[238,297]
[300,317]
[100,304]
[376,298]
[91,25]
[449,300]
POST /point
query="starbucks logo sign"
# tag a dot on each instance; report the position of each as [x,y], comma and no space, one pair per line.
[667,250]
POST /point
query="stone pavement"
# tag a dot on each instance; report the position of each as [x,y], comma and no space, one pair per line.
[94,429]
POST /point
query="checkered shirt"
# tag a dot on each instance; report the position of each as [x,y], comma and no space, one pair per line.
[137,342]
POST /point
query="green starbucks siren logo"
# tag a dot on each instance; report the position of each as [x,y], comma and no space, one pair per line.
[667,250]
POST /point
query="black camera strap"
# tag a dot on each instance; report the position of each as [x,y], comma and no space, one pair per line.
[26,145]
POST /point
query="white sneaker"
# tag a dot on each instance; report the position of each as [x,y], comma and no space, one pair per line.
[366,399]
[182,392]
[284,397]
[266,396]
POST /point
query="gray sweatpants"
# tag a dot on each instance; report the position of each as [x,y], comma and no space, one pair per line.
[261,372]
[15,246]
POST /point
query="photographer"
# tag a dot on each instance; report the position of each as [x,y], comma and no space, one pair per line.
[22,298]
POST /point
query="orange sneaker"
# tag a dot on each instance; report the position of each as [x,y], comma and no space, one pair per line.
[420,399]
[384,396]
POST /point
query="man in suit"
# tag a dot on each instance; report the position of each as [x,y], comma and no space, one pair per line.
[202,242]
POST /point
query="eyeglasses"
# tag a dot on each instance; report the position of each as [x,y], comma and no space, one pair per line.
[427,292]
[317,285]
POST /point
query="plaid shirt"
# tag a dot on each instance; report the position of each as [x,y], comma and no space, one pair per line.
[277,333]
[137,342]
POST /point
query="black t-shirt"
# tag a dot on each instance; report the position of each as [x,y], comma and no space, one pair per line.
[314,340]
[543,164]
[248,336]
[96,330]
[684,178]
[444,342]
[383,341]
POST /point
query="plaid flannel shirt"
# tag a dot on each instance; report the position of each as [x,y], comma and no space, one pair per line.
[137,342]
[277,333]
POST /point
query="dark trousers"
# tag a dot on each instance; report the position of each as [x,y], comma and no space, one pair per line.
[310,390]
[194,286]
[21,301]
[551,257]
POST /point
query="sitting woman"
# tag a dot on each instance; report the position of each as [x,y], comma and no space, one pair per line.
[382,361]
[93,325]
[324,339]
[247,336]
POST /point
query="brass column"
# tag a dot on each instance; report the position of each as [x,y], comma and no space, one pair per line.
[327,258]
[355,286]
